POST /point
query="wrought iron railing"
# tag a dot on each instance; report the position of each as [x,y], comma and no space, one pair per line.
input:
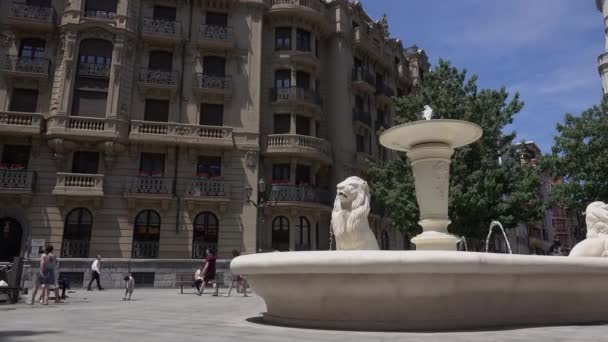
[144,249]
[292,193]
[199,248]
[180,130]
[208,188]
[25,11]
[216,32]
[161,26]
[97,14]
[363,75]
[203,81]
[31,65]
[160,77]
[362,116]
[21,119]
[19,180]
[149,185]
[295,93]
[75,248]
[315,5]
[94,70]
[288,141]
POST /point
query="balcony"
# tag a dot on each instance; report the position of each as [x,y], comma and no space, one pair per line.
[149,187]
[216,38]
[207,190]
[78,185]
[30,17]
[169,133]
[99,15]
[94,70]
[158,79]
[366,44]
[75,248]
[313,9]
[17,66]
[299,57]
[161,31]
[213,87]
[405,76]
[384,93]
[296,96]
[292,195]
[144,249]
[602,63]
[362,117]
[16,182]
[298,145]
[364,80]
[85,128]
[20,123]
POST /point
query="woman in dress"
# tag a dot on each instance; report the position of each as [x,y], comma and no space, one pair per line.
[49,275]
[209,271]
[40,278]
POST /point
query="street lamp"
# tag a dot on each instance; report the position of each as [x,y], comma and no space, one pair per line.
[261,203]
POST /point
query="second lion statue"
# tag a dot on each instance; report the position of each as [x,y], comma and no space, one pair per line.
[349,217]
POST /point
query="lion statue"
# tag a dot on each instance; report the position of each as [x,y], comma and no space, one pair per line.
[349,218]
[596,243]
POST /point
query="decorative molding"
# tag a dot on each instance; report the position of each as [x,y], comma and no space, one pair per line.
[251,158]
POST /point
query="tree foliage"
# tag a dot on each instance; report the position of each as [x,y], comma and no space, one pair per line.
[482,189]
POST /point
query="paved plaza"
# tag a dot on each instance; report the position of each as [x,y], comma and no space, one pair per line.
[165,315]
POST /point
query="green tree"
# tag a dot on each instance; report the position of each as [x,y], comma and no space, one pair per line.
[579,159]
[487,180]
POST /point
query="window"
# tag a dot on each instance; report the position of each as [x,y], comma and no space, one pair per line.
[282,123]
[303,234]
[216,19]
[360,142]
[206,229]
[108,6]
[160,60]
[282,38]
[281,173]
[302,174]
[15,157]
[39,3]
[32,48]
[359,103]
[10,239]
[77,234]
[214,66]
[302,125]
[95,51]
[152,164]
[209,167]
[317,48]
[24,100]
[303,40]
[89,103]
[146,234]
[211,114]
[384,241]
[165,13]
[302,80]
[282,78]
[280,234]
[85,162]
[318,128]
[157,110]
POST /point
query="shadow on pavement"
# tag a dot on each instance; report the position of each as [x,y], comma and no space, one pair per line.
[8,336]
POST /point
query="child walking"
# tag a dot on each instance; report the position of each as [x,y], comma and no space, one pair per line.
[129,286]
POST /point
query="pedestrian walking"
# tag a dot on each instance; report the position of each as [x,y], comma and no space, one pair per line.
[129,286]
[198,279]
[96,273]
[50,273]
[241,281]
[209,272]
[40,276]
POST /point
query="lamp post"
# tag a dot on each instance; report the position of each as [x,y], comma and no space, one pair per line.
[262,202]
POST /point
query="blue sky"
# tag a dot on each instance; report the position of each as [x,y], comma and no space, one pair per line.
[545,49]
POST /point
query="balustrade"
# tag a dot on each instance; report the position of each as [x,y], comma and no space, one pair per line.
[21,119]
[79,180]
[144,249]
[28,65]
[85,123]
[149,185]
[292,193]
[160,26]
[203,81]
[216,32]
[160,77]
[295,93]
[180,130]
[25,11]
[208,188]
[282,141]
[94,70]
[11,179]
[314,5]
[75,248]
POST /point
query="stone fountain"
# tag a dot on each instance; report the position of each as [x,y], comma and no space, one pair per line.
[436,287]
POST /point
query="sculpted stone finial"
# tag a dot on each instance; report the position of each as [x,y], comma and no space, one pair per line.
[349,221]
[427,113]
[596,243]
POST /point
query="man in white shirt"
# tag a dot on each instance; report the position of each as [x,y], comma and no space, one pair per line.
[95,273]
[198,280]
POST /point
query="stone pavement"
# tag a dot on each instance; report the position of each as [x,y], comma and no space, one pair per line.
[165,315]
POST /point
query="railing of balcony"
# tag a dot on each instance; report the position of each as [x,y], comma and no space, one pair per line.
[362,75]
[199,187]
[25,11]
[295,141]
[203,81]
[75,248]
[86,123]
[16,180]
[314,5]
[26,64]
[216,32]
[149,185]
[295,93]
[362,116]
[384,89]
[21,119]
[160,26]
[199,248]
[158,77]
[94,70]
[144,249]
[603,59]
[97,14]
[79,180]
[180,130]
[292,193]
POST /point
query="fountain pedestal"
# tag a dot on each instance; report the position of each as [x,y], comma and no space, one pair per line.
[430,145]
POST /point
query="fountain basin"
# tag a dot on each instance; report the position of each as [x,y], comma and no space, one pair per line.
[425,290]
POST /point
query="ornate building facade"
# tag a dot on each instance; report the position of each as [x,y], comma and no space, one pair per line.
[149,130]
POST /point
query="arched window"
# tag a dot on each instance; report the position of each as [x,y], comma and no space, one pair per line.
[77,234]
[10,239]
[303,234]
[206,229]
[280,233]
[146,234]
[385,243]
